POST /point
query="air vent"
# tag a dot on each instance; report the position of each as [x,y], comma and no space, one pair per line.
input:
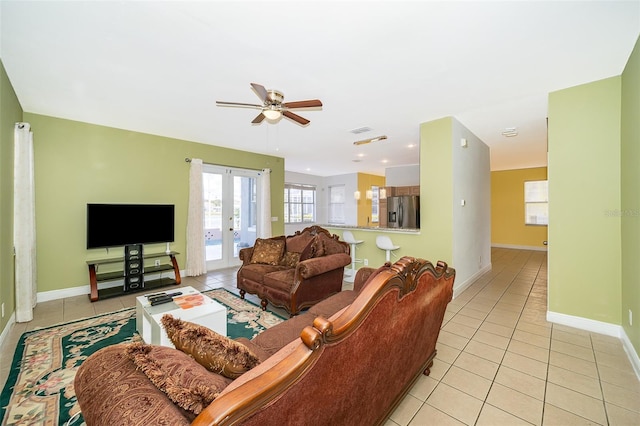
[360,130]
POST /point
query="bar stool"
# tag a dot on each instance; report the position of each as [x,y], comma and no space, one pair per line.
[384,243]
[348,238]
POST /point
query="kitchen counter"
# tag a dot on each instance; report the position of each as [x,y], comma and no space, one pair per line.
[412,231]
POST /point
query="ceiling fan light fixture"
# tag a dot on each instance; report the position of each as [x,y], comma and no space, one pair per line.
[272,114]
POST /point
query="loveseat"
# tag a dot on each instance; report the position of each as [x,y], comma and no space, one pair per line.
[348,360]
[294,272]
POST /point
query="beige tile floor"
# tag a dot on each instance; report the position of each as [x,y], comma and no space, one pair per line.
[499,361]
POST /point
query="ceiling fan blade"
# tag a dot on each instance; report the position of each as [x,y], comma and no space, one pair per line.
[295,117]
[260,90]
[258,119]
[303,104]
[237,104]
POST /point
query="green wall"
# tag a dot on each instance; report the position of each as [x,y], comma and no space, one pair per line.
[436,189]
[584,196]
[78,163]
[10,113]
[630,177]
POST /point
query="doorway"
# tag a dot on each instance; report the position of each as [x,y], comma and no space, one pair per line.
[230,213]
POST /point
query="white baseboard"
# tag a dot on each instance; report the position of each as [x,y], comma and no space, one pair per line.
[631,353]
[7,328]
[519,247]
[599,327]
[45,296]
[460,287]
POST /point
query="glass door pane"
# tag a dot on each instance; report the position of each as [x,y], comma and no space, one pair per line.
[212,183]
[244,214]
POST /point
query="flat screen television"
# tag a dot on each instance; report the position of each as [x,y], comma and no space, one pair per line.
[111,225]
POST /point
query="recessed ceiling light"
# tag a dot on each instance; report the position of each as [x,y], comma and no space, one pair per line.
[411,145]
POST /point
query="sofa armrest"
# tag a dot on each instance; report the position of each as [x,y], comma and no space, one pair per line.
[319,265]
[245,255]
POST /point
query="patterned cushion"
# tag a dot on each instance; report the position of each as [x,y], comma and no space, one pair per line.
[268,251]
[290,259]
[309,251]
[328,245]
[185,382]
[298,242]
[215,352]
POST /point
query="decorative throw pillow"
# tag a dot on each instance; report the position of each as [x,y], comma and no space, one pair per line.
[309,251]
[185,382]
[213,351]
[290,259]
[299,241]
[268,251]
[329,245]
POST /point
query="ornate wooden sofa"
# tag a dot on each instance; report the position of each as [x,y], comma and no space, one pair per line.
[348,360]
[294,272]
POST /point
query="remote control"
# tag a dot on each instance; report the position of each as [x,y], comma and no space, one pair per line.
[153,297]
[161,300]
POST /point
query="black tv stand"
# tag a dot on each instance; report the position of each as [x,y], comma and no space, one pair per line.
[95,277]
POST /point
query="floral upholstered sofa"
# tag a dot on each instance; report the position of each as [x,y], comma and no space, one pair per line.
[348,360]
[294,272]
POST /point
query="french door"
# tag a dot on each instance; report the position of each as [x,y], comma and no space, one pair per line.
[230,213]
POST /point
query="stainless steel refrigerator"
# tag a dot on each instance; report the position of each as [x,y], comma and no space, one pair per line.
[403,211]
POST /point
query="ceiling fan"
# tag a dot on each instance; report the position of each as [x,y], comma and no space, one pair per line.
[272,106]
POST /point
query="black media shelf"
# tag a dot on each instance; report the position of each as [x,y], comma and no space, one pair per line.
[150,285]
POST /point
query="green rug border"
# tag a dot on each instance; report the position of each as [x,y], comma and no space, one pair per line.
[19,352]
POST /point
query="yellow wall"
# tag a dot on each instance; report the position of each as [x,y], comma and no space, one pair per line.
[365,182]
[507,209]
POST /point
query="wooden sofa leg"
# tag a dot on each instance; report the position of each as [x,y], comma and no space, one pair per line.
[427,370]
[242,293]
[263,303]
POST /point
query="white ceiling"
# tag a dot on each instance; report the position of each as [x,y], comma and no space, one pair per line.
[158,67]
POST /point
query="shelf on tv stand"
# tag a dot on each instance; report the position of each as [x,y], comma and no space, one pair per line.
[95,277]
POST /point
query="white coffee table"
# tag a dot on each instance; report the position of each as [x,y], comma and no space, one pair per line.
[190,306]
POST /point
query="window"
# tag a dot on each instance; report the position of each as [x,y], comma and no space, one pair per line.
[336,204]
[299,203]
[536,202]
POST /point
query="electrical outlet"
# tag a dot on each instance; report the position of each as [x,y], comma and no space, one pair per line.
[630,316]
[157,262]
[366,262]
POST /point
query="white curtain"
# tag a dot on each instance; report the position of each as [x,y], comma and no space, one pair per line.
[264,204]
[24,223]
[196,258]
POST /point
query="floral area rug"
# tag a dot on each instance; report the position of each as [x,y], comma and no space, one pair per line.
[39,389]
